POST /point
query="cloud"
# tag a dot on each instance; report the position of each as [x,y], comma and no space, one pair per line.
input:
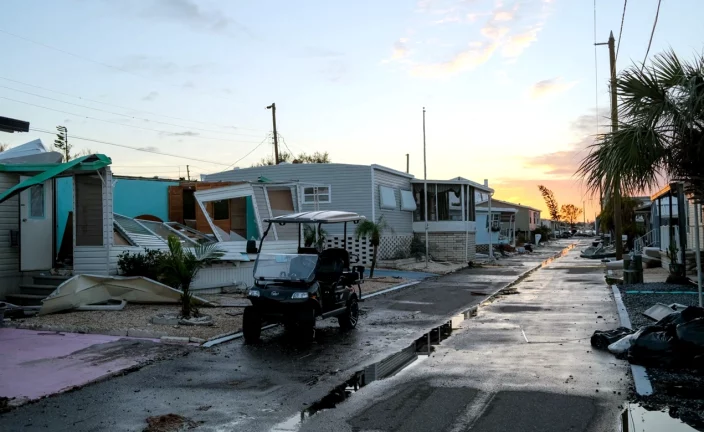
[184,134]
[144,64]
[503,16]
[516,44]
[191,13]
[151,96]
[400,49]
[148,148]
[463,61]
[549,87]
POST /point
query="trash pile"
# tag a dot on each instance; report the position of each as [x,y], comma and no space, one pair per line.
[675,341]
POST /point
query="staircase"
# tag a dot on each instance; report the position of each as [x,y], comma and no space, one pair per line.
[40,288]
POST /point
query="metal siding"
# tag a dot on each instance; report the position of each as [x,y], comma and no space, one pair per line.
[9,220]
[90,260]
[400,221]
[350,184]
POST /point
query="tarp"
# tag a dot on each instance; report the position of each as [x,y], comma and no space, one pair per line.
[33,152]
[84,290]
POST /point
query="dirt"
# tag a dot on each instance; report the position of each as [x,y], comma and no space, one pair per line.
[432,267]
[169,423]
[137,317]
[379,283]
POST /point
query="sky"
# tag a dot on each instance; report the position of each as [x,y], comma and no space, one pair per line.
[514,90]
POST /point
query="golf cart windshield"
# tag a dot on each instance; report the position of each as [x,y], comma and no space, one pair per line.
[285,267]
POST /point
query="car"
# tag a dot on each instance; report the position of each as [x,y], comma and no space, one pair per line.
[297,289]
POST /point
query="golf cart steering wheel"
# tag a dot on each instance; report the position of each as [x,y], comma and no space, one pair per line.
[355,256]
[283,274]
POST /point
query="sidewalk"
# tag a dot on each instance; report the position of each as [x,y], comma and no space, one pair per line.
[34,364]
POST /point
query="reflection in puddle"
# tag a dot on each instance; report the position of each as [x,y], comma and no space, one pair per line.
[637,419]
[390,366]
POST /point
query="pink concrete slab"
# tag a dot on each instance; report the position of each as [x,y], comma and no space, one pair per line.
[34,364]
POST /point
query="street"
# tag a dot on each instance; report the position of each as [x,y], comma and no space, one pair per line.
[480,377]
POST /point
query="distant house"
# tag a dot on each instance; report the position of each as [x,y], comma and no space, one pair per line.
[527,218]
[375,191]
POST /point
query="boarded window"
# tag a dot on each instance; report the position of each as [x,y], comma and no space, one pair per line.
[36,202]
[408,203]
[387,198]
[221,210]
[89,211]
[280,199]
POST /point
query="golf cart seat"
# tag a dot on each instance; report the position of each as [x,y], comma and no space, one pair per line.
[332,264]
[336,253]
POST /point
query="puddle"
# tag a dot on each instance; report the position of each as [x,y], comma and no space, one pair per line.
[637,419]
[390,366]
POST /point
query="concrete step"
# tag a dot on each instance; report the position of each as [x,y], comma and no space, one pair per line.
[52,280]
[37,289]
[25,299]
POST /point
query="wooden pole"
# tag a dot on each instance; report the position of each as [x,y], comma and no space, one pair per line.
[616,190]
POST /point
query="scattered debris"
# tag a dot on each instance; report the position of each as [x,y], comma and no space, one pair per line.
[602,339]
[169,423]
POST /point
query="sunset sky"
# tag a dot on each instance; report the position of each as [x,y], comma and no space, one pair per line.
[509,86]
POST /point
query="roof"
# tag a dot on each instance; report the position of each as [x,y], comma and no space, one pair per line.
[392,171]
[47,172]
[317,217]
[494,200]
[264,169]
[497,209]
[457,180]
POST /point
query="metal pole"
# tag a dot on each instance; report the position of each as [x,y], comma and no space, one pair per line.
[408,161]
[697,251]
[614,127]
[491,251]
[425,191]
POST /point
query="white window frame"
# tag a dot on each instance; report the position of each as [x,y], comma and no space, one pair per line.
[410,205]
[316,194]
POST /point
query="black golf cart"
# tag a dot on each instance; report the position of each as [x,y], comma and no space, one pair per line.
[296,289]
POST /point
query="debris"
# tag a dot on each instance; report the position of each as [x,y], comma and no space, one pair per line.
[602,339]
[169,423]
[658,312]
[204,408]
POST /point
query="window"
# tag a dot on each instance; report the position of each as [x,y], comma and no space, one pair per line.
[36,202]
[408,202]
[221,210]
[387,198]
[319,194]
[448,202]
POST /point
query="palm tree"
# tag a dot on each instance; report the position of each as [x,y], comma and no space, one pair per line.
[661,131]
[372,231]
[180,267]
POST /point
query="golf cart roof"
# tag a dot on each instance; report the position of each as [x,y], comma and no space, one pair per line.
[317,217]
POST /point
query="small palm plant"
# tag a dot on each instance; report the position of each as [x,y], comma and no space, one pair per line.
[311,240]
[179,267]
[373,232]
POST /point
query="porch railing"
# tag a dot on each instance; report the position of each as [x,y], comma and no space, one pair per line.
[643,241]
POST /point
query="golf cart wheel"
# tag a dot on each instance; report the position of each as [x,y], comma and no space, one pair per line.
[251,325]
[348,320]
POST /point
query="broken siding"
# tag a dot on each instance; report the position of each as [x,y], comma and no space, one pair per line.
[9,255]
[350,185]
[400,221]
[692,228]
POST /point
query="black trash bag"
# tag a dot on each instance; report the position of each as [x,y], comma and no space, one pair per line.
[692,334]
[601,339]
[685,315]
[655,347]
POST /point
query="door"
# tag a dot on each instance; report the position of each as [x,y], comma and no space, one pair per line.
[36,226]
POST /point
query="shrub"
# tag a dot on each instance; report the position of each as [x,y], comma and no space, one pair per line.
[543,231]
[417,248]
[145,264]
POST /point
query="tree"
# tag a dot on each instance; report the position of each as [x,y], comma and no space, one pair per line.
[550,202]
[373,232]
[61,142]
[628,216]
[180,267]
[661,130]
[570,214]
[302,158]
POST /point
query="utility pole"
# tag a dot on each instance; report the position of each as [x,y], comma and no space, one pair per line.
[272,107]
[425,192]
[407,163]
[188,172]
[616,187]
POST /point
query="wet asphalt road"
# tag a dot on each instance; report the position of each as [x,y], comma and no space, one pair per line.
[524,363]
[254,388]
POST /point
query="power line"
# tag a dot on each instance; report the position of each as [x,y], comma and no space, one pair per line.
[250,152]
[171,133]
[128,108]
[123,115]
[130,147]
[652,32]
[623,16]
[78,56]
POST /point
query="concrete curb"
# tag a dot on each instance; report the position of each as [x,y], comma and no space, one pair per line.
[640,376]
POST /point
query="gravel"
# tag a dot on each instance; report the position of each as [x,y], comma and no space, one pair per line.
[680,391]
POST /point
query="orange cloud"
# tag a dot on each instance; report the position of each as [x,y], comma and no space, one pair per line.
[549,87]
[461,62]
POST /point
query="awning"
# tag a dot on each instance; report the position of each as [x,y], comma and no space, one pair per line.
[84,163]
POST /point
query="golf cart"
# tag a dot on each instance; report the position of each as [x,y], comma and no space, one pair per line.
[296,289]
